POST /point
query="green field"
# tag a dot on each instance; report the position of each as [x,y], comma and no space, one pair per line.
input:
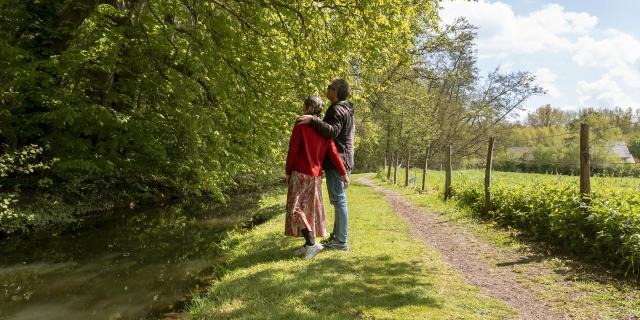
[549,208]
[435,180]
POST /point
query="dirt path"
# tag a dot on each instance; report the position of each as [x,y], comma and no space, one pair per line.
[468,255]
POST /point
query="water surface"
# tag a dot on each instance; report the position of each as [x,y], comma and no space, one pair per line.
[132,264]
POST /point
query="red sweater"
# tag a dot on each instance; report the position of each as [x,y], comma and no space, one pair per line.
[307,149]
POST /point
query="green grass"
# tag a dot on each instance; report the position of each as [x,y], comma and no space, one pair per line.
[570,286]
[455,214]
[435,179]
[386,275]
[550,208]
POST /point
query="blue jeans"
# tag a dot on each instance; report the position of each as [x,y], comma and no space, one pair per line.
[338,199]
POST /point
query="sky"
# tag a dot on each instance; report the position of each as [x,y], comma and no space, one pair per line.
[585,53]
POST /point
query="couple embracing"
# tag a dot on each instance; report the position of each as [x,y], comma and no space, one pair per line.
[318,144]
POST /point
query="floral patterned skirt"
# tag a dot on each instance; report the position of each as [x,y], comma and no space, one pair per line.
[304,206]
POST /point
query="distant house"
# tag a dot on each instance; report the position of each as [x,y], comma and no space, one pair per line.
[620,149]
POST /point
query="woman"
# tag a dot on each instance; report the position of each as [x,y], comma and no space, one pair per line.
[307,150]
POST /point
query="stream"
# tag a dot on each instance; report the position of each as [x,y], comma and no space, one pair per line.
[127,264]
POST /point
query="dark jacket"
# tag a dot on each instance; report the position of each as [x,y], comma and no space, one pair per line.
[338,124]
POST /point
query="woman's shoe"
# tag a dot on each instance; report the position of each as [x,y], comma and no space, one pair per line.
[313,250]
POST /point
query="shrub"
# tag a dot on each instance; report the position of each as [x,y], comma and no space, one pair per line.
[606,226]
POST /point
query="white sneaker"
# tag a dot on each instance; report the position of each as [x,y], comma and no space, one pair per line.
[313,250]
[300,251]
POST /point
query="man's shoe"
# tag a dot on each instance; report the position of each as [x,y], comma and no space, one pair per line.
[327,240]
[336,246]
[300,251]
[313,250]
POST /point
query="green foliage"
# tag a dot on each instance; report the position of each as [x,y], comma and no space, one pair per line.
[438,99]
[551,209]
[21,163]
[180,98]
[546,116]
[554,149]
[634,147]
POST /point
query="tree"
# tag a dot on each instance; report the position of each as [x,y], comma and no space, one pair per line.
[437,98]
[182,97]
[468,108]
[546,116]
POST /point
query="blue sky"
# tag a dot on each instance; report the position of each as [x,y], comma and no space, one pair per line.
[586,53]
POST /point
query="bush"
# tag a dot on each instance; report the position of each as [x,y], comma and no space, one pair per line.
[607,226]
[634,147]
[21,164]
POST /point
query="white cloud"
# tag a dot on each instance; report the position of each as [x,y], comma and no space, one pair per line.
[627,74]
[604,92]
[552,32]
[554,19]
[546,79]
[501,31]
[615,48]
[507,66]
[618,53]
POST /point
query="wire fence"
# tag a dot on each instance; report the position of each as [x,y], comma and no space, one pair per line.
[602,162]
[577,213]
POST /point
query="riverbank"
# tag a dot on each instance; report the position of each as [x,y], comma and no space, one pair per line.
[46,215]
[49,214]
[388,274]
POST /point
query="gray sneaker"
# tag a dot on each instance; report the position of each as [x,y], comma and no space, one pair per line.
[312,251]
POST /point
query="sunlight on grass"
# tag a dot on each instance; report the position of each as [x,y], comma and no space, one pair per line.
[568,289]
[386,275]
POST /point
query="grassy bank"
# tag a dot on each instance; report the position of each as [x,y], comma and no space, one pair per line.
[386,275]
[569,286]
[40,214]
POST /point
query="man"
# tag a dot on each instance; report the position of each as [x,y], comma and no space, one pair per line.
[338,124]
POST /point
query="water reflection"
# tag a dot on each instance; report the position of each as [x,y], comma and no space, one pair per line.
[126,266]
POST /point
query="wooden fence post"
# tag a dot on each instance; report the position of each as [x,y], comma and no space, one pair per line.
[447,180]
[585,170]
[487,176]
[424,171]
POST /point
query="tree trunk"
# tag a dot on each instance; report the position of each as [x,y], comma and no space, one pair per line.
[395,170]
[487,176]
[447,180]
[390,166]
[384,168]
[387,151]
[406,170]
[424,171]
